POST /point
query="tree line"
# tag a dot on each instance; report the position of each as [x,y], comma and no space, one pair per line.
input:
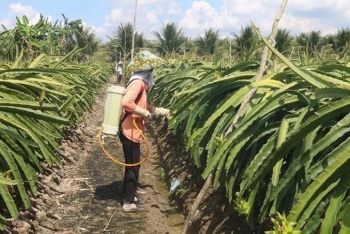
[245,44]
[61,37]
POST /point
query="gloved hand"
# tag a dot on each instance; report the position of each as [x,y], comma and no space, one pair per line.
[162,111]
[143,113]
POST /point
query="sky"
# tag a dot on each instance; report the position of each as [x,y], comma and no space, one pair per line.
[192,17]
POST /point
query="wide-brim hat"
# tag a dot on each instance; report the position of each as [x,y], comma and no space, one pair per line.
[145,60]
[120,62]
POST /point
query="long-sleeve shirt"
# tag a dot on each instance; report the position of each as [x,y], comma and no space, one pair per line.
[129,105]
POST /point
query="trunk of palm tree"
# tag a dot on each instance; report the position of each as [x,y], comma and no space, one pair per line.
[247,99]
[230,50]
[124,46]
[134,32]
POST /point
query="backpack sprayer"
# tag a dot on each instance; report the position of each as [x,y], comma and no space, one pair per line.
[111,122]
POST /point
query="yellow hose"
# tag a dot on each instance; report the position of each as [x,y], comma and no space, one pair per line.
[121,163]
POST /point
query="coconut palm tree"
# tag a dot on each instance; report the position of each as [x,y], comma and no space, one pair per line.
[246,42]
[139,41]
[124,38]
[223,49]
[71,32]
[311,42]
[342,38]
[207,43]
[87,39]
[315,39]
[302,39]
[283,40]
[169,39]
[120,45]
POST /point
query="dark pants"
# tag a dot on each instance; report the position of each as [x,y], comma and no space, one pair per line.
[132,154]
[119,79]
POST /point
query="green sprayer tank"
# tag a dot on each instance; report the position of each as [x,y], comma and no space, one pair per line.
[113,109]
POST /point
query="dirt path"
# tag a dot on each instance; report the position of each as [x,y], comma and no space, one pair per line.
[84,195]
[92,187]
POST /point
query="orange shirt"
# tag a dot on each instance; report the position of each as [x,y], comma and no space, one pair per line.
[129,105]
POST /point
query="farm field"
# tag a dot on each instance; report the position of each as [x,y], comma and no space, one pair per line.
[83,195]
[255,140]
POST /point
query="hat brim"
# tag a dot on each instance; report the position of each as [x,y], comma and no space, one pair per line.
[144,61]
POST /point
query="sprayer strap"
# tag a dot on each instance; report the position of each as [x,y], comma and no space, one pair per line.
[136,101]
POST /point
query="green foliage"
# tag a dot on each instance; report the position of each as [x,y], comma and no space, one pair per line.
[39,101]
[180,190]
[56,39]
[207,43]
[169,39]
[288,154]
[282,226]
[42,93]
[162,173]
[283,41]
[246,43]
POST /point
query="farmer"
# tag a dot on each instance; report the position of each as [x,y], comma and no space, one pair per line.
[119,72]
[135,105]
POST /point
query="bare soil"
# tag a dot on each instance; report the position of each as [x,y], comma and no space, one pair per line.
[84,194]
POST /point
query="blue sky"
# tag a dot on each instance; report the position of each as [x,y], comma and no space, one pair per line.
[193,17]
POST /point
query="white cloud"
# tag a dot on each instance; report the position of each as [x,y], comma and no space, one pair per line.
[299,16]
[294,24]
[248,9]
[312,5]
[229,17]
[152,16]
[20,10]
[116,15]
[226,16]
[146,21]
[326,16]
[149,2]
[7,22]
[100,32]
[260,12]
[202,16]
[174,9]
[112,22]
